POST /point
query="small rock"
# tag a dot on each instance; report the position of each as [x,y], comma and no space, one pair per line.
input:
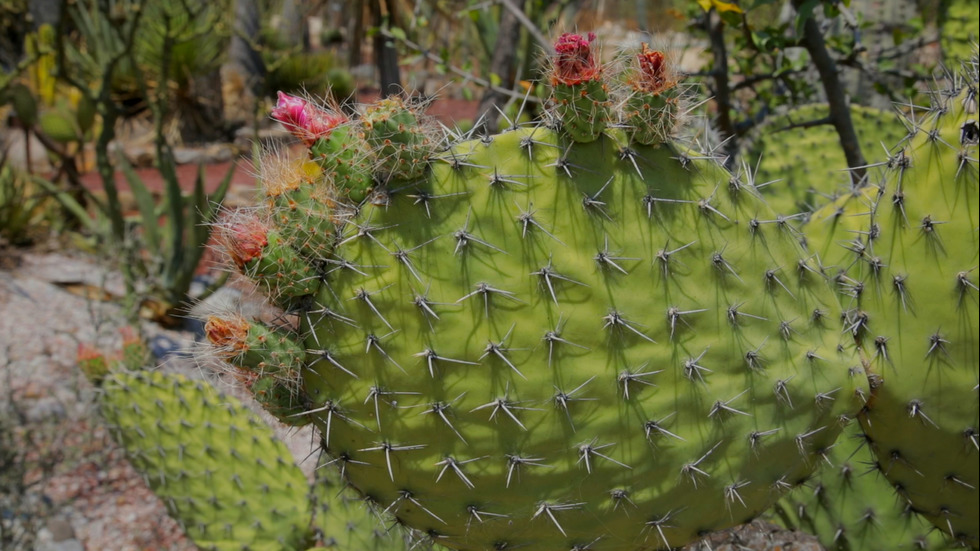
[61,529]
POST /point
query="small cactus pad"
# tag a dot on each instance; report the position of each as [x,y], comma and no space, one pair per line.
[214,463]
[850,505]
[581,100]
[654,98]
[904,253]
[803,164]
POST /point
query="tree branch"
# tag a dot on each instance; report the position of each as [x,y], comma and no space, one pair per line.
[840,111]
[716,32]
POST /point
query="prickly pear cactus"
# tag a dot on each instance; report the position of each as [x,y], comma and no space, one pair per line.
[553,343]
[216,465]
[850,505]
[903,252]
[803,163]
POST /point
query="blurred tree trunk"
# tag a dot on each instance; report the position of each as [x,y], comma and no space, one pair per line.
[244,72]
[202,116]
[385,55]
[45,12]
[503,64]
[293,29]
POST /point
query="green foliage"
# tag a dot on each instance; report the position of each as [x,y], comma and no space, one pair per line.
[804,163]
[164,242]
[22,204]
[959,31]
[316,74]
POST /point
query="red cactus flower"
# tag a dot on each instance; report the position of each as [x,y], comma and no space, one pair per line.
[244,238]
[305,120]
[653,74]
[86,353]
[575,61]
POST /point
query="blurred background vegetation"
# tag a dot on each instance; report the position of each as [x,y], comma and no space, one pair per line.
[104,101]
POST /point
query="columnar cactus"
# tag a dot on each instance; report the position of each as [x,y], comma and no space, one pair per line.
[563,340]
[903,252]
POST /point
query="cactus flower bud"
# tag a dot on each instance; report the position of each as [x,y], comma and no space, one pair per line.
[575,61]
[306,121]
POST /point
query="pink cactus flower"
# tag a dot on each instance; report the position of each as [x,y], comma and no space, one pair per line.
[575,61]
[305,120]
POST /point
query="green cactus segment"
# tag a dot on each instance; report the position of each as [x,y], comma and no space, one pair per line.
[254,347]
[301,210]
[803,164]
[400,144]
[652,117]
[267,257]
[345,156]
[583,109]
[348,522]
[904,253]
[215,465]
[850,505]
[550,345]
[279,397]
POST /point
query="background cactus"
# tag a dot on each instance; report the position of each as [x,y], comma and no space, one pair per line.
[850,505]
[557,344]
[903,252]
[804,164]
[215,464]
[227,479]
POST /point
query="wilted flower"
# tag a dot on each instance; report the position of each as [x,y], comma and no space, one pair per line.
[244,238]
[653,72]
[575,62]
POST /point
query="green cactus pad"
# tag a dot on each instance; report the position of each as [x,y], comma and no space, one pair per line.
[654,99]
[554,345]
[850,505]
[804,164]
[215,464]
[904,253]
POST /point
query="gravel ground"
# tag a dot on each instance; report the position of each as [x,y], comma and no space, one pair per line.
[68,487]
